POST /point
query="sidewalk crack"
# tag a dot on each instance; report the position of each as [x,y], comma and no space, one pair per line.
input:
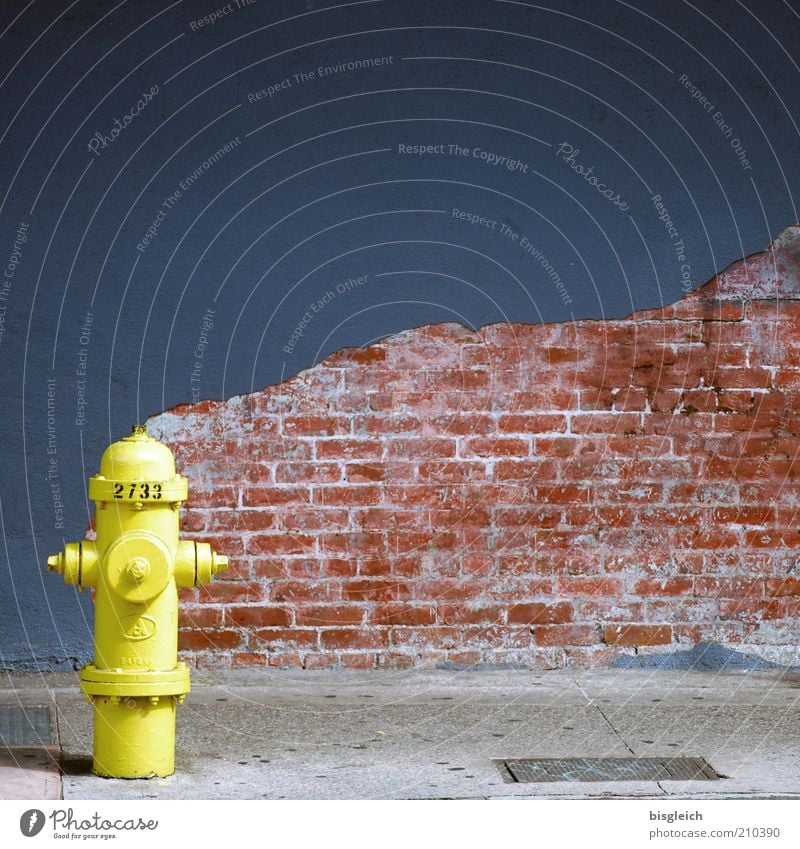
[611,726]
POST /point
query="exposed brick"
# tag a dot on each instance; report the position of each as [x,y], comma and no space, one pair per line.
[277,544]
[663,587]
[499,447]
[248,659]
[566,635]
[208,639]
[199,616]
[346,449]
[374,590]
[358,660]
[532,423]
[540,613]
[220,521]
[399,613]
[228,592]
[471,614]
[539,494]
[783,586]
[637,635]
[343,639]
[330,614]
[619,424]
[283,639]
[589,587]
[361,472]
[257,615]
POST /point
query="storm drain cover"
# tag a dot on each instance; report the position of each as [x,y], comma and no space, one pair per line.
[609,769]
[24,726]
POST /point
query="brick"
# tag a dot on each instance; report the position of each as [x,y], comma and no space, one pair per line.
[787,586]
[385,518]
[282,639]
[761,515]
[348,449]
[220,591]
[464,658]
[772,538]
[285,660]
[515,517]
[566,635]
[728,587]
[353,543]
[312,519]
[208,640]
[455,471]
[241,659]
[608,610]
[524,470]
[589,587]
[620,423]
[527,423]
[330,614]
[664,587]
[259,615]
[374,590]
[409,541]
[637,635]
[220,521]
[271,496]
[341,496]
[434,637]
[358,660]
[471,515]
[343,639]
[286,567]
[506,636]
[419,448]
[499,447]
[315,425]
[275,544]
[220,496]
[307,472]
[753,609]
[199,617]
[365,472]
[399,613]
[355,356]
[299,591]
[471,614]
[540,613]
[195,520]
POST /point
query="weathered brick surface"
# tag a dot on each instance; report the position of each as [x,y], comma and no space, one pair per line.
[550,495]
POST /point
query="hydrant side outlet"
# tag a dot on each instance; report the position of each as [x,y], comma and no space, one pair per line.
[136,565]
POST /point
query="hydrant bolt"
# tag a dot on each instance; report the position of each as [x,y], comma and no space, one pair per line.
[136,565]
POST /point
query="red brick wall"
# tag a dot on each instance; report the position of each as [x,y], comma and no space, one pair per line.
[549,495]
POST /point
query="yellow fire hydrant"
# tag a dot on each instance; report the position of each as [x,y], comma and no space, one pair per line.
[136,565]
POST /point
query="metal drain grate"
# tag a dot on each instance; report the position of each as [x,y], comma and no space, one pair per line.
[24,726]
[609,769]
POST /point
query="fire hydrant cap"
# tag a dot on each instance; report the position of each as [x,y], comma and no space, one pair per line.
[137,457]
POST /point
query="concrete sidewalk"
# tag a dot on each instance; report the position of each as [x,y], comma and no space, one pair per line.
[436,734]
